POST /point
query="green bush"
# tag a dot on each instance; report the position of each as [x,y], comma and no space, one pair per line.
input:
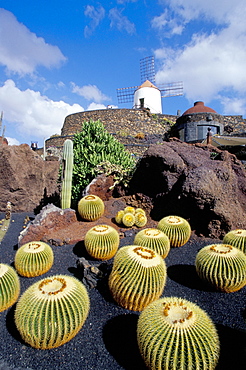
[93,148]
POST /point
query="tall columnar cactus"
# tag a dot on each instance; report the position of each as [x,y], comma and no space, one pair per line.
[176,334]
[5,222]
[34,259]
[66,191]
[222,266]
[102,242]
[137,278]
[236,238]
[52,311]
[176,228]
[154,239]
[9,286]
[91,207]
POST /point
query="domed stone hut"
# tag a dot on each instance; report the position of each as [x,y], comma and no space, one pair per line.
[193,125]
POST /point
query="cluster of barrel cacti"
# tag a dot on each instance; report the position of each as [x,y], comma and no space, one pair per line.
[130,216]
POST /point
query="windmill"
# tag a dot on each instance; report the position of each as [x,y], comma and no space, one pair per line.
[148,95]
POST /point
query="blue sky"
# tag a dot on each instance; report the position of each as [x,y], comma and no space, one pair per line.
[58,58]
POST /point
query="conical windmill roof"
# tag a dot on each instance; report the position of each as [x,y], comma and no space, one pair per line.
[147,83]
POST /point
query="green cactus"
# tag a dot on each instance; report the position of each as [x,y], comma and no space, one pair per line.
[5,222]
[222,266]
[128,219]
[137,278]
[236,238]
[9,286]
[176,334]
[52,311]
[140,219]
[34,259]
[91,207]
[176,228]
[102,242]
[154,239]
[66,191]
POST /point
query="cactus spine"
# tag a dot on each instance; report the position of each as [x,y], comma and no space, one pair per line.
[91,207]
[102,242]
[138,277]
[222,266]
[154,239]
[66,191]
[176,228]
[52,311]
[9,286]
[34,259]
[176,334]
[236,238]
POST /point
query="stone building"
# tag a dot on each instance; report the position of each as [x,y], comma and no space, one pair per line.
[193,124]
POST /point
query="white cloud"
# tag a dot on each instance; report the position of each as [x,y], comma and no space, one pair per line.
[12,141]
[21,51]
[89,92]
[32,113]
[96,16]
[120,21]
[210,64]
[235,105]
[95,106]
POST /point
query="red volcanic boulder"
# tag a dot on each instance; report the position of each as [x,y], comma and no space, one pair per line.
[26,179]
[201,183]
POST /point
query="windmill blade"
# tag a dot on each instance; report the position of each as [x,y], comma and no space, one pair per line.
[126,94]
[171,89]
[147,69]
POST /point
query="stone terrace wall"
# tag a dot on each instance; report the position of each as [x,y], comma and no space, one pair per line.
[134,128]
[122,121]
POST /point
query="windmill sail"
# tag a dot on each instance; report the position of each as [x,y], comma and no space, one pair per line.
[147,71]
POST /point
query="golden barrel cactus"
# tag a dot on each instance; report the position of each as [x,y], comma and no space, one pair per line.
[137,278]
[176,334]
[140,219]
[52,311]
[154,239]
[102,242]
[91,207]
[128,219]
[34,259]
[222,266]
[176,228]
[236,238]
[9,286]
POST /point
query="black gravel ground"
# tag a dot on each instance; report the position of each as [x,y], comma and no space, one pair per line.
[108,338]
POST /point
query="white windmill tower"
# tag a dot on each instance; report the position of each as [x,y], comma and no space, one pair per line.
[148,95]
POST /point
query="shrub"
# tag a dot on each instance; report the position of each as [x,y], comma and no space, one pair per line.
[93,145]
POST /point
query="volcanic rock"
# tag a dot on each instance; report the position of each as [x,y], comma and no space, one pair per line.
[26,179]
[201,183]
